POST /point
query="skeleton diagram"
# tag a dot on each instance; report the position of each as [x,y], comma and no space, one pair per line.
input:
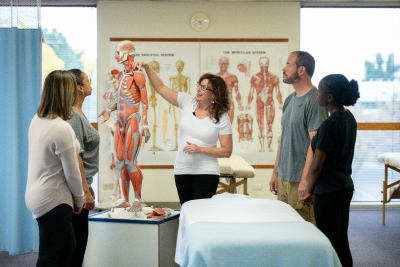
[131,92]
[153,103]
[232,82]
[180,83]
[264,84]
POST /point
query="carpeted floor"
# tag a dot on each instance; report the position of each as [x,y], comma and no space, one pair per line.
[372,244]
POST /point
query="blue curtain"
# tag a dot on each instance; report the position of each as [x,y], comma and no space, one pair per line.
[20,87]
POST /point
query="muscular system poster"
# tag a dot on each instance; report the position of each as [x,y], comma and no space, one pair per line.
[253,72]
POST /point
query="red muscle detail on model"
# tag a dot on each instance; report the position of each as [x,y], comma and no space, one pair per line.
[136,179]
[140,79]
[112,166]
[127,47]
[124,175]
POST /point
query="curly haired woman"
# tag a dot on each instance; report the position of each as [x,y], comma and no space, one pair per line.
[204,122]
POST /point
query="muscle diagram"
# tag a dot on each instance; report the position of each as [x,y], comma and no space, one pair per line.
[232,82]
[264,83]
[131,93]
[180,83]
[244,66]
[153,103]
[245,127]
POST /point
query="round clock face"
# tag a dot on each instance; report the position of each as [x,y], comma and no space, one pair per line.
[200,22]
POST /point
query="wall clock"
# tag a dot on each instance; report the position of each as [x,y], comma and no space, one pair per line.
[200,22]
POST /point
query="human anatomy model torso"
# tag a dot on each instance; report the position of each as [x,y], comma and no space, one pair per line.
[130,94]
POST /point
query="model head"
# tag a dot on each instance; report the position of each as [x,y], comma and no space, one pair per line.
[123,50]
[336,90]
[179,65]
[213,89]
[83,81]
[60,92]
[264,63]
[223,63]
[299,63]
[155,66]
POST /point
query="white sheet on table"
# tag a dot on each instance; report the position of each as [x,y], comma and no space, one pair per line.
[231,210]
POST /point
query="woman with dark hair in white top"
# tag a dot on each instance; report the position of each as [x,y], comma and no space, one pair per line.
[54,185]
[88,158]
[204,122]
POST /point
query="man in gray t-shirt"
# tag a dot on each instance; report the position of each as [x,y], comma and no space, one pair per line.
[300,121]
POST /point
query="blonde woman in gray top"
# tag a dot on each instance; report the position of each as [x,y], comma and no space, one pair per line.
[54,185]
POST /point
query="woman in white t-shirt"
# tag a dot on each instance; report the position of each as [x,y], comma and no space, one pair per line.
[204,122]
[54,186]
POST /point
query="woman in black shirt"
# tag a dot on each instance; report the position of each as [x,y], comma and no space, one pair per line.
[329,185]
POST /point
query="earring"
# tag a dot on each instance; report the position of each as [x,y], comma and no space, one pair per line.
[212,101]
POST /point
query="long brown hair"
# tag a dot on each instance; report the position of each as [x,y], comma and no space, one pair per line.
[60,92]
[222,100]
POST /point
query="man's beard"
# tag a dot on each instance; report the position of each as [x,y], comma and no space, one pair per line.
[292,79]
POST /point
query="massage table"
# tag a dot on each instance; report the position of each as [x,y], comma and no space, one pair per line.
[391,161]
[239,231]
[233,168]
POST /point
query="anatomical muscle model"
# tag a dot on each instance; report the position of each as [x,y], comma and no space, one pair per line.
[232,82]
[264,83]
[131,93]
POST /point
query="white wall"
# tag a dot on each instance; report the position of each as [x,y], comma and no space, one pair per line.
[123,19]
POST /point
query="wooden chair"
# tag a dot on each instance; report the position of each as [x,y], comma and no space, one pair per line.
[391,161]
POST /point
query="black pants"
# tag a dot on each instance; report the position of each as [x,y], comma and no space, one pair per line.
[196,186]
[56,237]
[332,216]
[80,224]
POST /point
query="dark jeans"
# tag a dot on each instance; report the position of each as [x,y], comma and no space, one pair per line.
[332,216]
[56,237]
[81,229]
[196,186]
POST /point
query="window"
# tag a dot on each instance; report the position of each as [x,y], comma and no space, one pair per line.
[70,35]
[362,44]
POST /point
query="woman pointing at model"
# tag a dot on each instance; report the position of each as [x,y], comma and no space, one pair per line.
[204,122]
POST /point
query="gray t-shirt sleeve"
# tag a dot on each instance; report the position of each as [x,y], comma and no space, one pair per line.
[77,126]
[315,114]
